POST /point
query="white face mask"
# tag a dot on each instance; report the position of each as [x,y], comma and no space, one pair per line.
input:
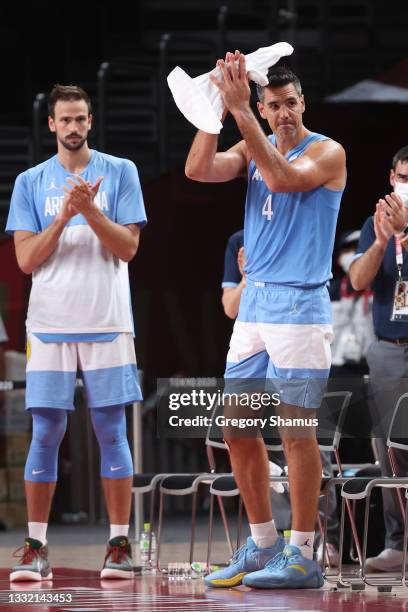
[401,189]
[345,260]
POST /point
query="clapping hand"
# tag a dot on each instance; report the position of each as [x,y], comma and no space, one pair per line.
[395,212]
[81,197]
[234,87]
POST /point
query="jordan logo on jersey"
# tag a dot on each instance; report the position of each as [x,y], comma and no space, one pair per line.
[257,176]
[53,204]
[52,185]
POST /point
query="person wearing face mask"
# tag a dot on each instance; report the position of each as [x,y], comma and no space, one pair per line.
[381,261]
[352,314]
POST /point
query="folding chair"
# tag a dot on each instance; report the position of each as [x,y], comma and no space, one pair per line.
[404,547]
[189,484]
[361,488]
[177,484]
[359,471]
[149,483]
[394,441]
[146,483]
[336,410]
[336,414]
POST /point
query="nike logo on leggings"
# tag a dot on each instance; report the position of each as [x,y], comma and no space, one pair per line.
[114,469]
[35,472]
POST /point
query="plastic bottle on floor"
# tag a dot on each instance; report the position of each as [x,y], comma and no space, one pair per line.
[144,549]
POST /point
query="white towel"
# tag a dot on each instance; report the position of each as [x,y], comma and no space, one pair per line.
[200,100]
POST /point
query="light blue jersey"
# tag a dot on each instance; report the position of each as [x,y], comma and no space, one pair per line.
[38,195]
[82,288]
[283,329]
[289,237]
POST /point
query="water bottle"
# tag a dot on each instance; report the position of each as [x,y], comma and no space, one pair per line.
[286,536]
[144,549]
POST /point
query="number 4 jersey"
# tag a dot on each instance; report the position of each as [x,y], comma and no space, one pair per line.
[289,237]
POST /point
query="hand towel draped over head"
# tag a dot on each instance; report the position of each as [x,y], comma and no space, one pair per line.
[200,100]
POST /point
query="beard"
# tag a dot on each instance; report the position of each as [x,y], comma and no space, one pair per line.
[71,145]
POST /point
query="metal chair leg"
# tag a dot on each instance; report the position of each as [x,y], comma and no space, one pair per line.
[394,468]
[326,518]
[210,529]
[159,530]
[341,543]
[323,531]
[352,552]
[355,584]
[365,535]
[151,514]
[193,525]
[135,517]
[239,526]
[226,526]
[383,584]
[349,511]
[404,549]
[354,530]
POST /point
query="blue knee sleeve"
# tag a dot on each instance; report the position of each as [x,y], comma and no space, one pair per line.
[49,425]
[109,425]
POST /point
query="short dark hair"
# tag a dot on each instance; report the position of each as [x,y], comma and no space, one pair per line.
[67,93]
[279,76]
[400,156]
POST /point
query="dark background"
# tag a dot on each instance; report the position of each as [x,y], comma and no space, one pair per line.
[176,275]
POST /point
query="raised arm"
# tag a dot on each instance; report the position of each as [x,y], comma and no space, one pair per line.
[322,164]
[204,164]
[364,269]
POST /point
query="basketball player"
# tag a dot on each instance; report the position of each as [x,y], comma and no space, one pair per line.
[283,330]
[76,220]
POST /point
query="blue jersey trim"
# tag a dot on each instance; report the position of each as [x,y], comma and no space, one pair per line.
[107,337]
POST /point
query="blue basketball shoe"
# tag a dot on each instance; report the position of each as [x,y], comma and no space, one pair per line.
[289,569]
[248,558]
